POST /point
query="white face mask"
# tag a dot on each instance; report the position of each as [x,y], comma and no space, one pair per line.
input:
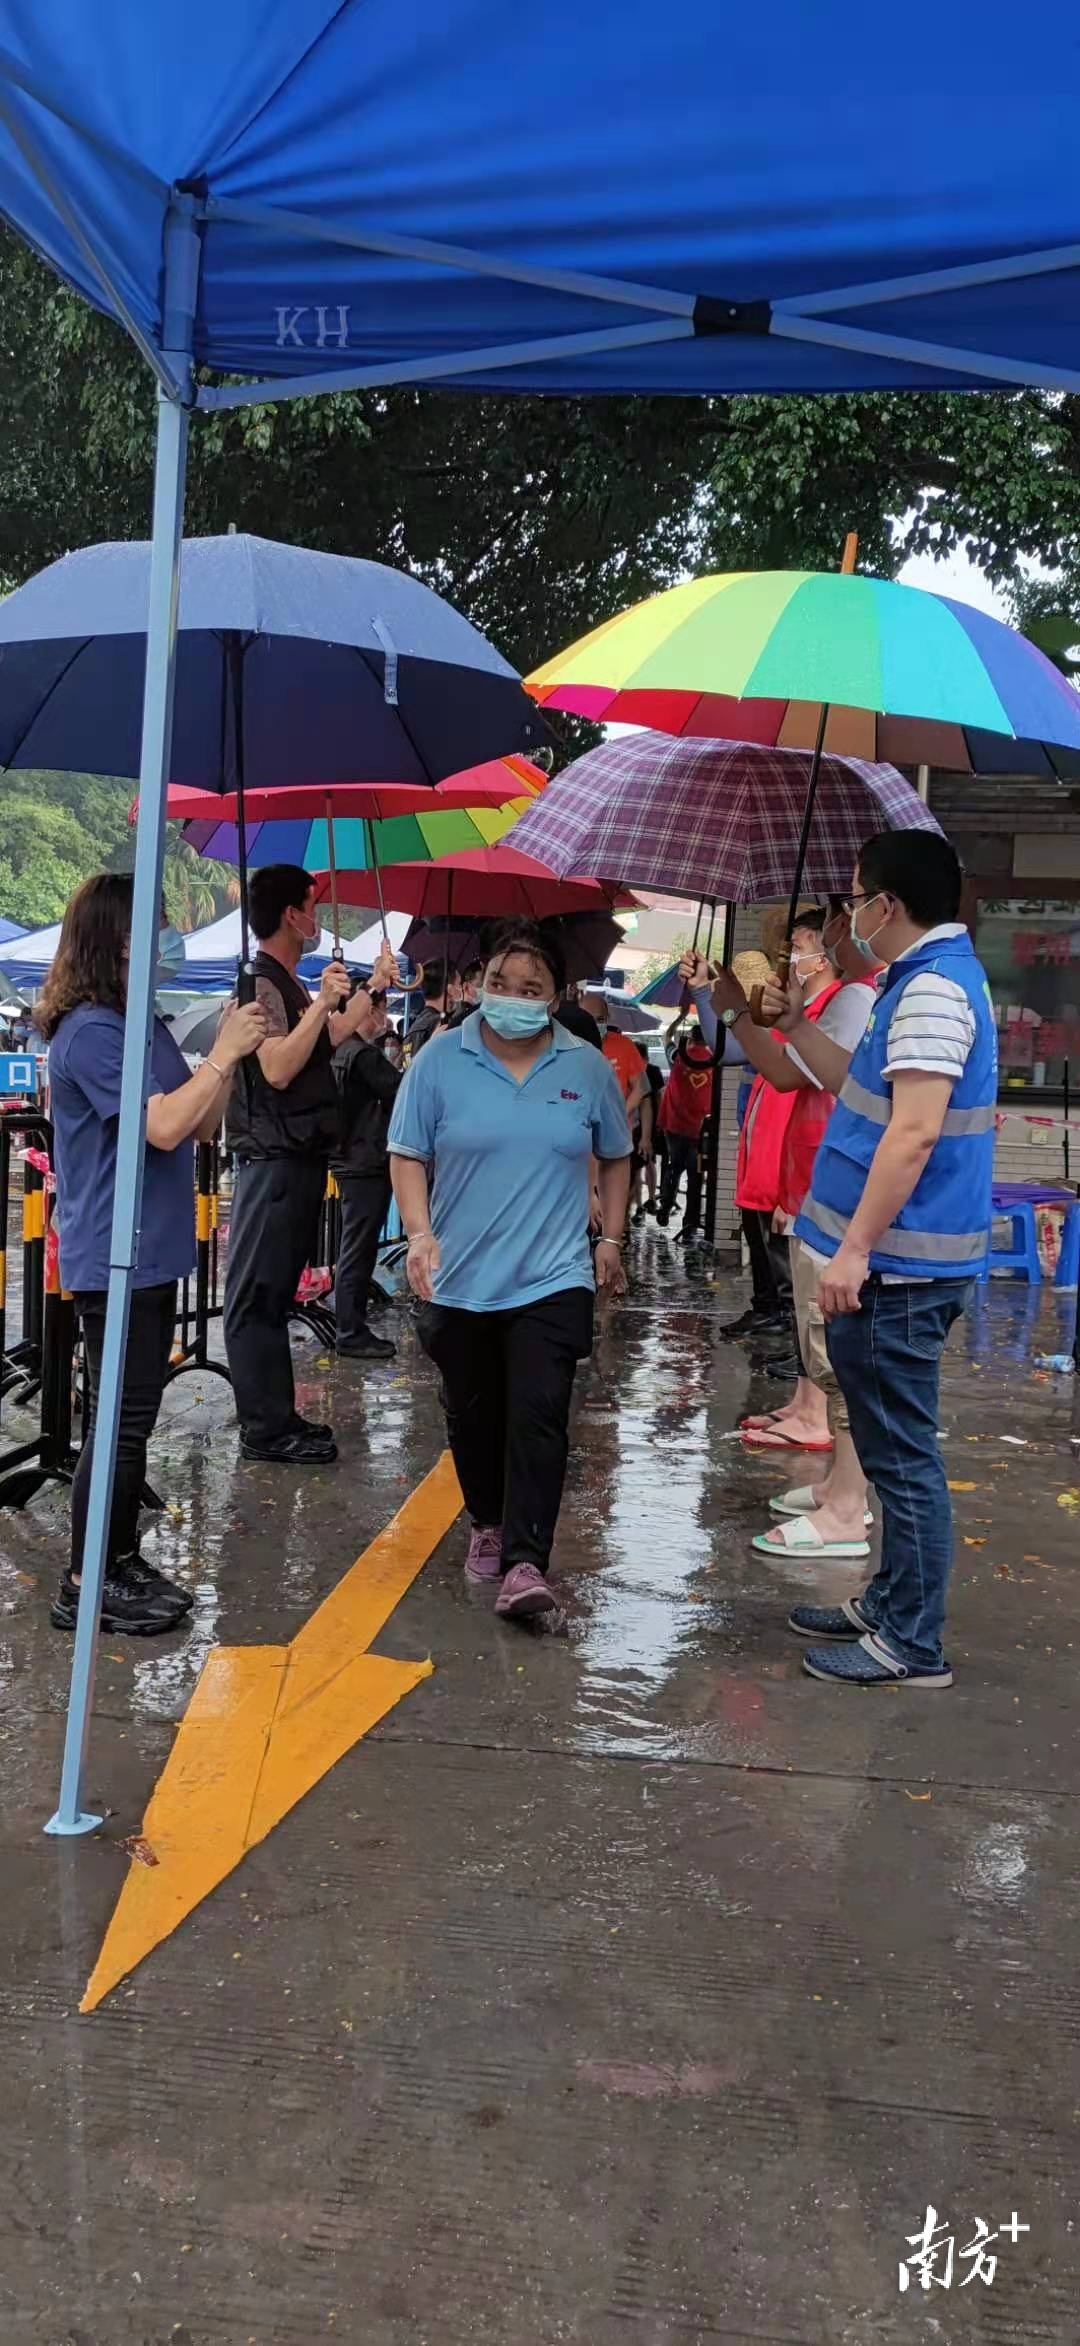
[805,964]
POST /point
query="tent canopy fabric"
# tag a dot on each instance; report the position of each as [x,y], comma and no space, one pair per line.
[791,198]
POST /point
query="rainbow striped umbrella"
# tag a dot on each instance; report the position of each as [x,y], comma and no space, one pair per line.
[907,677]
[354,844]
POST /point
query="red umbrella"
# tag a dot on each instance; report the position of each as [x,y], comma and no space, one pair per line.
[480,883]
[491,784]
[494,784]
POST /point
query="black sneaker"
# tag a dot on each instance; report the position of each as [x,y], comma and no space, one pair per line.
[663,1217]
[295,1449]
[365,1345]
[786,1368]
[311,1425]
[755,1323]
[129,1608]
[140,1574]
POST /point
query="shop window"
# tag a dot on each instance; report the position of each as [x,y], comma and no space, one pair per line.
[1030,950]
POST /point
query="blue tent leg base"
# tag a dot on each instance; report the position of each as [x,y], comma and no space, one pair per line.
[65,1827]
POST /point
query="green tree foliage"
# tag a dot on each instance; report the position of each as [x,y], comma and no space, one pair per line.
[55,829]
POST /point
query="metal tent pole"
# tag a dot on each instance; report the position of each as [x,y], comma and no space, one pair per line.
[181,276]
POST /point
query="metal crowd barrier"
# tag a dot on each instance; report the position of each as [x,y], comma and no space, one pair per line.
[40,1365]
[199,1308]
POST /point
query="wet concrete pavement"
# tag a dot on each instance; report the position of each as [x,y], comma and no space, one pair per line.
[624,1985]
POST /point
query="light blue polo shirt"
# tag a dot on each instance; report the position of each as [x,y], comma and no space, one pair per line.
[510,1199]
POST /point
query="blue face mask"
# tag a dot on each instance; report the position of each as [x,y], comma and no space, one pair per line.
[170,955]
[864,946]
[514,1016]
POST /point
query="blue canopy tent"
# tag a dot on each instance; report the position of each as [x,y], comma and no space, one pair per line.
[318,194]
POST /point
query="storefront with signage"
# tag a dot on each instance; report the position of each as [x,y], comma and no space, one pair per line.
[1020,846]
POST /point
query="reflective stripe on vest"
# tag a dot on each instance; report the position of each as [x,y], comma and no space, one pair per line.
[915,1246]
[942,1230]
[878,1110]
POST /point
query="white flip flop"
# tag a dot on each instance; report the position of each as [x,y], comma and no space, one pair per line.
[800,1537]
[801,1502]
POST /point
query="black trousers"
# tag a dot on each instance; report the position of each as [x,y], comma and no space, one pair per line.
[273,1230]
[507,1381]
[364,1200]
[681,1155]
[770,1266]
[146,1361]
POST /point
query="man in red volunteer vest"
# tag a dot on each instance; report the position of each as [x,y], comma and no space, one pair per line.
[834,988]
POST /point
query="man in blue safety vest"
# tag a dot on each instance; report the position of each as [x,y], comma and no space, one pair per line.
[898,1218]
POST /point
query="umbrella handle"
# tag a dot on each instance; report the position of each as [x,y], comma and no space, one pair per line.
[337,954]
[405,985]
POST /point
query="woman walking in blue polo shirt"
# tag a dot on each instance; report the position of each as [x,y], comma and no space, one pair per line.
[493,1135]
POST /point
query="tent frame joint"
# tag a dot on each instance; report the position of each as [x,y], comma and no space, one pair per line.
[714,315]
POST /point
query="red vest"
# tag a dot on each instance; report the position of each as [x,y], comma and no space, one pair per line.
[806,1126]
[763,1141]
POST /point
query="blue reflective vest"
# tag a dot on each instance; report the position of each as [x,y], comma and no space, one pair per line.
[943,1231]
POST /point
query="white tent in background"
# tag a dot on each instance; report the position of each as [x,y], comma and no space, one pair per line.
[25,960]
[219,944]
[210,954]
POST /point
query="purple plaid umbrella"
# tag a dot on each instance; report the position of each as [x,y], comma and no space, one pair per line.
[713,819]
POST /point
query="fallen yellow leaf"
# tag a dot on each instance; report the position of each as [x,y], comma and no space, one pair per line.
[139,1849]
[917,1795]
[970,1543]
[963,1486]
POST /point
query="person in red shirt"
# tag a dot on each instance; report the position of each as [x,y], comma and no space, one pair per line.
[684,1107]
[826,1516]
[620,1054]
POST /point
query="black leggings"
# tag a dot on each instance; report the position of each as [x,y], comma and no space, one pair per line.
[146,1361]
[683,1155]
[507,1381]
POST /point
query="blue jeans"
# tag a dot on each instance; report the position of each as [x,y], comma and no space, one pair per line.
[887,1359]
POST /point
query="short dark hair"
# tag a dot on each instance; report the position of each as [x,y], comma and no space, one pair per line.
[472,973]
[435,979]
[273,890]
[920,868]
[813,919]
[532,937]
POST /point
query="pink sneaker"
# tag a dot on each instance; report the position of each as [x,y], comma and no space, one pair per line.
[524,1591]
[484,1559]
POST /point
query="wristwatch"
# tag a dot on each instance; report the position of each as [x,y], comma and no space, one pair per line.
[728,1017]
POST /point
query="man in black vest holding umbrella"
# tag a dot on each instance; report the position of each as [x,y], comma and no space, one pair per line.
[282,1124]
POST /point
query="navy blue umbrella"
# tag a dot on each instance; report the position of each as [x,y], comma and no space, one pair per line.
[291,667]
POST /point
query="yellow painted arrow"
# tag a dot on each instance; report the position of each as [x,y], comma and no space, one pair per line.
[263,1725]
